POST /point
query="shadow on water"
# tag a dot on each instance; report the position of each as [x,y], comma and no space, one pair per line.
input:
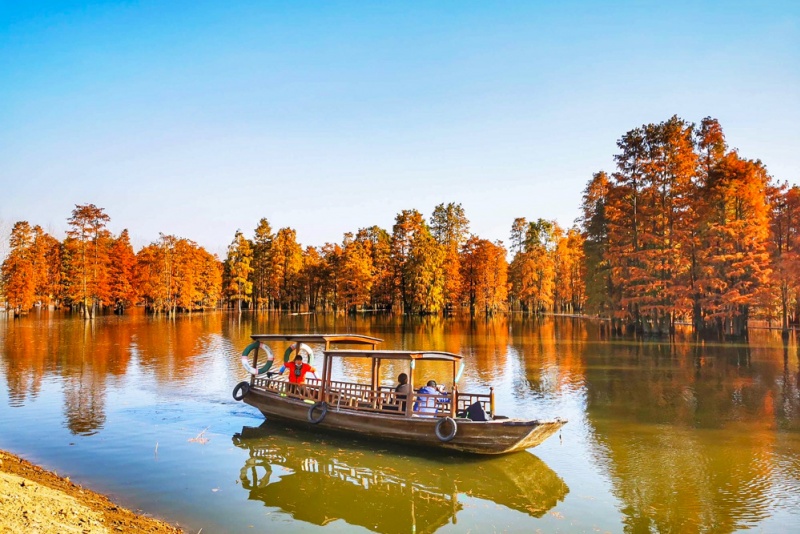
[385,489]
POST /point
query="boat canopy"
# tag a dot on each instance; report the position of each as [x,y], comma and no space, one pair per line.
[396,355]
[327,385]
[327,339]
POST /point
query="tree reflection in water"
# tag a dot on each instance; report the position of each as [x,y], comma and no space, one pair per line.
[385,490]
[676,435]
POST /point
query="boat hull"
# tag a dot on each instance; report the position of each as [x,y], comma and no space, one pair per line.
[477,437]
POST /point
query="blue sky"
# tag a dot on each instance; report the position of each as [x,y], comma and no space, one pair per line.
[198,118]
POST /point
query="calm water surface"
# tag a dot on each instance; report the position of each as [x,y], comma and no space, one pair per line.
[662,437]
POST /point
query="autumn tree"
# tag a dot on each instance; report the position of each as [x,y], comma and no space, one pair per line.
[568,261]
[598,280]
[50,286]
[168,262]
[450,227]
[287,260]
[312,278]
[424,274]
[532,270]
[485,275]
[624,207]
[670,170]
[238,270]
[31,272]
[519,229]
[494,294]
[121,265]
[88,240]
[449,224]
[196,276]
[187,268]
[330,274]
[417,260]
[18,269]
[356,273]
[785,238]
[209,279]
[262,264]
[175,274]
[156,276]
[146,275]
[378,244]
[407,224]
[649,224]
[735,230]
[711,148]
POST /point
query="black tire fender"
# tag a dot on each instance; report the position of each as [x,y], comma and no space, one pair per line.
[241,390]
[444,438]
[323,412]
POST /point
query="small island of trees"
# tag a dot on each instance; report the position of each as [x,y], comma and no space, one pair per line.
[685,230]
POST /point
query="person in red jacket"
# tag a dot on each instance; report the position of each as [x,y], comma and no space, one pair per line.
[298,369]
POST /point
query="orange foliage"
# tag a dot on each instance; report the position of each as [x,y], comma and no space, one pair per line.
[176,274]
[682,230]
[485,275]
[18,270]
[121,264]
[87,253]
[356,273]
[785,239]
[735,233]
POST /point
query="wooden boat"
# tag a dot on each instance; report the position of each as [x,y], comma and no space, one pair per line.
[379,412]
[386,490]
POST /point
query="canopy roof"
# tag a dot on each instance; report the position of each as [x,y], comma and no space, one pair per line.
[428,355]
[353,339]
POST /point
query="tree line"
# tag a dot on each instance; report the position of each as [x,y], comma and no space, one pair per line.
[92,270]
[684,230]
[421,267]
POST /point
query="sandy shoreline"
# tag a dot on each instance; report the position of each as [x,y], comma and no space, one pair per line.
[35,500]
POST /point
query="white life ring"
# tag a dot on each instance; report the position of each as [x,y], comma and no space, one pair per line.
[246,359]
[287,356]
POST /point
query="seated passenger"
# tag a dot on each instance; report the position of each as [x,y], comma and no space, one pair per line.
[402,390]
[426,406]
[476,412]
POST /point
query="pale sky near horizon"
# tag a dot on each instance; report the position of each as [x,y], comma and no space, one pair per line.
[200,118]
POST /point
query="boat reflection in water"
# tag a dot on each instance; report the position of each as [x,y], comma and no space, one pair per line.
[383,488]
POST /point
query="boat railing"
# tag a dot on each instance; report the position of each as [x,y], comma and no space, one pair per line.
[433,405]
[360,397]
[289,389]
[465,400]
[366,400]
[352,389]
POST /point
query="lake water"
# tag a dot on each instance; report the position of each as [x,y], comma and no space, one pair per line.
[677,437]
